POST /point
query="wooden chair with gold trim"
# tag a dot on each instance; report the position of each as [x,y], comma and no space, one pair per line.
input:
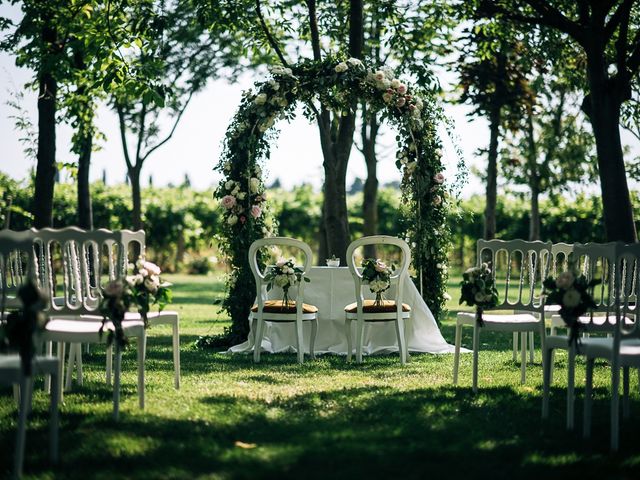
[295,311]
[363,311]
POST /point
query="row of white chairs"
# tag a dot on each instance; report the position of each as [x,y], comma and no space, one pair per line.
[85,261]
[360,311]
[518,268]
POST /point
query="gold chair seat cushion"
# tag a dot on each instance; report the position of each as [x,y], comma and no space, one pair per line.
[278,306]
[369,306]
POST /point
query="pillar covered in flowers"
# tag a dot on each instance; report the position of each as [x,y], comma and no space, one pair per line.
[412,111]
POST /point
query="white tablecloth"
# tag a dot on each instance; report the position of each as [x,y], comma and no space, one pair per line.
[331,289]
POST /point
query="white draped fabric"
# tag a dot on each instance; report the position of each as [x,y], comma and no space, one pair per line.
[331,289]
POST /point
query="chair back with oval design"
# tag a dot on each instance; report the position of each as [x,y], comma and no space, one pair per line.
[17,261]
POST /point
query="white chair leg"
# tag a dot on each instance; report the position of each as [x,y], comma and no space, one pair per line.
[515,346]
[523,357]
[588,399]
[456,355]
[257,346]
[402,347]
[571,381]
[176,355]
[552,360]
[359,339]
[70,366]
[312,340]
[476,348]
[531,348]
[25,404]
[116,382]
[299,341]
[48,350]
[142,349]
[109,366]
[80,378]
[53,419]
[347,330]
[615,406]
[547,354]
[61,351]
[626,411]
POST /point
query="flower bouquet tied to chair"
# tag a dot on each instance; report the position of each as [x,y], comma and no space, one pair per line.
[478,289]
[377,274]
[284,274]
[143,288]
[572,292]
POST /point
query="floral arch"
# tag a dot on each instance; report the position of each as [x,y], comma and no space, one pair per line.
[412,111]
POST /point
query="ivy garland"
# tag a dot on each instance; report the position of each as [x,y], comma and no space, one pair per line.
[338,84]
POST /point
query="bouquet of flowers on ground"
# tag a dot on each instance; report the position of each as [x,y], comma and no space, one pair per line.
[17,333]
[478,289]
[142,289]
[377,275]
[284,274]
[571,292]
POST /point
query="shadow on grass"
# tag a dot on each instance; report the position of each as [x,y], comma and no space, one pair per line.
[369,431]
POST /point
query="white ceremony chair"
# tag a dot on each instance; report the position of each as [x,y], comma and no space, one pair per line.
[525,297]
[623,349]
[598,261]
[296,312]
[124,241]
[364,311]
[17,261]
[75,318]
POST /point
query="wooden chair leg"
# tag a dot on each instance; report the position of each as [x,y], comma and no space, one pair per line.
[523,357]
[402,347]
[532,347]
[61,352]
[359,339]
[299,340]
[257,346]
[109,364]
[47,379]
[515,346]
[547,354]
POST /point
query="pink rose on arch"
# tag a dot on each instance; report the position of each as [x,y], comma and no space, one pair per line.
[380,266]
[400,102]
[438,178]
[437,200]
[412,107]
[402,89]
[228,201]
[243,219]
[256,211]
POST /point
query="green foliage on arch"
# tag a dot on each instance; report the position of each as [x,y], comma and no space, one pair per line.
[413,112]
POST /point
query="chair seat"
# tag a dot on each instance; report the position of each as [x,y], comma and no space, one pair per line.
[11,366]
[278,306]
[86,330]
[602,347]
[507,321]
[369,306]
[600,322]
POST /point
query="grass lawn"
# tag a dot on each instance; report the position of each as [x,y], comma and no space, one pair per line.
[324,419]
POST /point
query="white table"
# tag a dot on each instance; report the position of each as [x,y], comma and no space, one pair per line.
[331,289]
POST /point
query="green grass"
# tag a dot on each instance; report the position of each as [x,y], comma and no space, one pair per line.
[324,419]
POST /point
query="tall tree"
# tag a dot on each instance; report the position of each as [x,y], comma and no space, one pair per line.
[493,79]
[182,53]
[609,34]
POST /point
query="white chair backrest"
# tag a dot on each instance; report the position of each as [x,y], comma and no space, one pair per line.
[17,261]
[560,253]
[598,261]
[85,256]
[627,280]
[258,273]
[397,276]
[530,258]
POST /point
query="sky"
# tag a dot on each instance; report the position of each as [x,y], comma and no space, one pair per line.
[195,147]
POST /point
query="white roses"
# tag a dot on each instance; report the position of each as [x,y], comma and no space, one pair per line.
[341,67]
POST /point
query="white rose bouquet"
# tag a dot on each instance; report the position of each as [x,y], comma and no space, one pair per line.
[478,289]
[377,275]
[142,289]
[572,293]
[284,274]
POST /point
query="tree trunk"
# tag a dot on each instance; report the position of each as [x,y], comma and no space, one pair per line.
[370,193]
[492,177]
[534,180]
[85,211]
[603,109]
[136,213]
[46,167]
